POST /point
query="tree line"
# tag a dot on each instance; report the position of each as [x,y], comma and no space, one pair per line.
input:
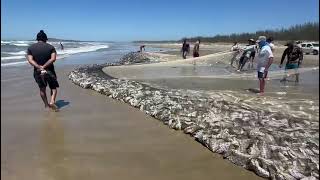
[305,32]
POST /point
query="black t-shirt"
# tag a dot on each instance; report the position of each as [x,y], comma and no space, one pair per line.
[293,54]
[185,47]
[41,53]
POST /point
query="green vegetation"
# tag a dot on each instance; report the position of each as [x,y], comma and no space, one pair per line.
[305,32]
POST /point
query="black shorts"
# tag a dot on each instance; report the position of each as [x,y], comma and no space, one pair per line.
[262,75]
[252,54]
[243,60]
[43,80]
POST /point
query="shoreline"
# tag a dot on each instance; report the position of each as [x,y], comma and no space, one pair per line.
[211,122]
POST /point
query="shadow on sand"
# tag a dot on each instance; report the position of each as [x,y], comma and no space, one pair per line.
[62,103]
[253,90]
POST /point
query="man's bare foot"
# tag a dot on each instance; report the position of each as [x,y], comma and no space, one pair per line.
[54,107]
[261,94]
[47,108]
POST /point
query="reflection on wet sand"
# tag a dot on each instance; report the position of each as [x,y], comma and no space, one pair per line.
[54,149]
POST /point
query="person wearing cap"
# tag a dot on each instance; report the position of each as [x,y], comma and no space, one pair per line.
[269,42]
[41,56]
[294,59]
[248,51]
[264,61]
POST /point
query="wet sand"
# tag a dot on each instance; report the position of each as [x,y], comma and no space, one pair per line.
[208,78]
[94,137]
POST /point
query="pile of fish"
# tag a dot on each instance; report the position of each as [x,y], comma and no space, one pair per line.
[134,57]
[273,144]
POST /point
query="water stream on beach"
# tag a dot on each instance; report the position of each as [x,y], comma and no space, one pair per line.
[213,74]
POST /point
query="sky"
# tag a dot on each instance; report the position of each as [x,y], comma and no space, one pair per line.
[128,20]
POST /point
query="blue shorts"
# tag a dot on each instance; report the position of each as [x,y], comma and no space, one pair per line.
[292,66]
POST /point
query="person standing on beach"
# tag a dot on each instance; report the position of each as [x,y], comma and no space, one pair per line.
[196,49]
[294,59]
[62,48]
[236,50]
[248,52]
[185,49]
[142,47]
[41,56]
[265,59]
[252,54]
[269,41]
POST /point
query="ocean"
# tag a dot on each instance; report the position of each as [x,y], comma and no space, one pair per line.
[13,53]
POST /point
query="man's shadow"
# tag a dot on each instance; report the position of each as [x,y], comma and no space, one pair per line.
[62,103]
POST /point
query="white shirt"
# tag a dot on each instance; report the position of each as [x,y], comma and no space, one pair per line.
[271,46]
[235,47]
[263,57]
[249,49]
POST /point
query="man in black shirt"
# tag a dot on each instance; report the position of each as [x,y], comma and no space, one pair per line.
[185,49]
[41,56]
[294,59]
[142,47]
